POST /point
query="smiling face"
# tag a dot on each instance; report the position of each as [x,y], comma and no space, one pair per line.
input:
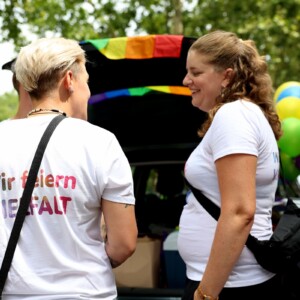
[204,81]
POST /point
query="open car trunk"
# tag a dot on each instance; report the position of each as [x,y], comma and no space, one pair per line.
[137,93]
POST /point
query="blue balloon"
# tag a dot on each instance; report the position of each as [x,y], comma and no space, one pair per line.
[292,91]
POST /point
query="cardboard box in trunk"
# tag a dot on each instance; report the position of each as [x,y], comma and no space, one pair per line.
[142,268]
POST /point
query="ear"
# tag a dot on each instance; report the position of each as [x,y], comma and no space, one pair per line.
[68,80]
[228,74]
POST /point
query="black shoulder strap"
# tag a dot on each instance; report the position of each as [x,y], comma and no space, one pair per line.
[285,184]
[215,211]
[211,207]
[25,200]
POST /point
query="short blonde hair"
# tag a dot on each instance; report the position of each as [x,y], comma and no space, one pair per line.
[41,64]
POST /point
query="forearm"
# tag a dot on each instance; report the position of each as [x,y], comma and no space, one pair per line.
[229,241]
[117,254]
[120,231]
[114,263]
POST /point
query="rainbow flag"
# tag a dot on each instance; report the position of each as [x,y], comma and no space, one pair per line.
[139,47]
[139,91]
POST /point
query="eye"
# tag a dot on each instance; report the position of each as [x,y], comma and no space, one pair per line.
[197,73]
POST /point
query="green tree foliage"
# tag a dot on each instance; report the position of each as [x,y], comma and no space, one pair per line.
[273,24]
[8,105]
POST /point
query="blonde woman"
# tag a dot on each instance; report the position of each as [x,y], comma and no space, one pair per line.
[84,174]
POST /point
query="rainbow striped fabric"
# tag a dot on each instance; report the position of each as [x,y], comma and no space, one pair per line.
[139,47]
[140,91]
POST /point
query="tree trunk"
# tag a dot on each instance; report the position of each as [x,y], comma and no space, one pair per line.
[177,26]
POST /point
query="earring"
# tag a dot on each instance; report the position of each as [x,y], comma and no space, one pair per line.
[71,91]
[222,92]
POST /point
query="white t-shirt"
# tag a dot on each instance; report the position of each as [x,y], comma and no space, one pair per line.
[60,253]
[238,127]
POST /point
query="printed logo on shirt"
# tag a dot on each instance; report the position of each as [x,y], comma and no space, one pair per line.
[38,205]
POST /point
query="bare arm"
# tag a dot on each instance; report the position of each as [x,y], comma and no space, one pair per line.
[121,230]
[236,177]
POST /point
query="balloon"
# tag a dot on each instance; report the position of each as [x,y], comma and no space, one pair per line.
[293,91]
[289,169]
[286,86]
[289,142]
[289,107]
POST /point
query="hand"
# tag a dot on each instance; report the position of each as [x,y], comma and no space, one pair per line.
[198,295]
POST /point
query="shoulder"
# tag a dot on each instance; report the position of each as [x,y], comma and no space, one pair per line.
[84,128]
[239,111]
[239,118]
[236,128]
[240,105]
[84,137]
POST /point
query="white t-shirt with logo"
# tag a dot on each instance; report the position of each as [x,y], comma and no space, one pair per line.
[238,127]
[60,253]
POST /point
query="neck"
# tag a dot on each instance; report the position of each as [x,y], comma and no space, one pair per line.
[42,111]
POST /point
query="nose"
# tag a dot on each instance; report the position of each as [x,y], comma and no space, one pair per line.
[186,80]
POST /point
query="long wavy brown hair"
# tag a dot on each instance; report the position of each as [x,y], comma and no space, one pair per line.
[250,79]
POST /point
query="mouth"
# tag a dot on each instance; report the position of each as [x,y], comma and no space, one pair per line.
[193,92]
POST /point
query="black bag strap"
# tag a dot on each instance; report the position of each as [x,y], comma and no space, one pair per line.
[214,210]
[211,207]
[285,184]
[25,200]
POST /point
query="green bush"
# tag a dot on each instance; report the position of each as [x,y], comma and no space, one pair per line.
[8,105]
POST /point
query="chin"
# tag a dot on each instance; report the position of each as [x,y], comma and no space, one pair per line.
[196,103]
[199,104]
